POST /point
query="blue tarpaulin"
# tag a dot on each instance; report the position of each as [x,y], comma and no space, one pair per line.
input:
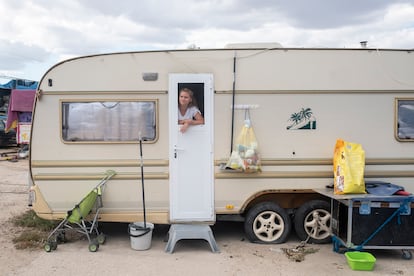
[20,84]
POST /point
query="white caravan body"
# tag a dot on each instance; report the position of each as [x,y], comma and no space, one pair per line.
[299,101]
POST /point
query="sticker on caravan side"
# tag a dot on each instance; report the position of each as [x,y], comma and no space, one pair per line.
[303,119]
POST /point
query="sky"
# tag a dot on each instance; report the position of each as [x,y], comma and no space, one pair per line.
[37,34]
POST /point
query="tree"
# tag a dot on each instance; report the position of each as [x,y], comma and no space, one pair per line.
[306,113]
[295,118]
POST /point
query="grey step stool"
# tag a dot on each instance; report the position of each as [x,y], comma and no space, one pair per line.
[190,231]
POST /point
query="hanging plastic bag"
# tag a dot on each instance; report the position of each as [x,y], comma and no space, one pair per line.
[348,166]
[245,155]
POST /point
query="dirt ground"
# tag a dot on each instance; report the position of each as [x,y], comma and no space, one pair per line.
[191,257]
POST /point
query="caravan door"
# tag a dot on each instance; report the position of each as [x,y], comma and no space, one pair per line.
[191,153]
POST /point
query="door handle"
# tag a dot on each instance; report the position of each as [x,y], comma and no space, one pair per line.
[176,149]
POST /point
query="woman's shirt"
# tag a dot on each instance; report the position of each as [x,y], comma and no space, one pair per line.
[189,113]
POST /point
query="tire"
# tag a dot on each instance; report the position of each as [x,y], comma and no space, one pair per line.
[93,246]
[54,245]
[267,222]
[47,247]
[101,238]
[407,255]
[313,220]
[61,237]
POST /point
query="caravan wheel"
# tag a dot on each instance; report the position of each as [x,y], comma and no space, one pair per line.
[267,222]
[312,222]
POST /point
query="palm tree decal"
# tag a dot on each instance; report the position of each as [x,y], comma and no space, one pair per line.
[303,119]
[306,113]
[295,118]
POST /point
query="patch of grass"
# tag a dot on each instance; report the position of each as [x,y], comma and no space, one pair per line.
[29,219]
[30,238]
[34,230]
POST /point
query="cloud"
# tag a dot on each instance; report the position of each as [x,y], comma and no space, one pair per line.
[15,54]
[42,31]
[395,29]
[321,14]
[244,14]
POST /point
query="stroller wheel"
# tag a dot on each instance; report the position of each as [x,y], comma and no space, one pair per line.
[93,246]
[61,238]
[54,244]
[101,238]
[48,247]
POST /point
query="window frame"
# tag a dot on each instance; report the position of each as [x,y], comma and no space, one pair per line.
[398,102]
[156,120]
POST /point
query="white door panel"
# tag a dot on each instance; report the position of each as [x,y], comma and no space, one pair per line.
[191,155]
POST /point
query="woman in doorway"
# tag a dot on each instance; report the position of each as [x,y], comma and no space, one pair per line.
[188,112]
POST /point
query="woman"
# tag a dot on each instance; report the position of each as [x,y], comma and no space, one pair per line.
[188,112]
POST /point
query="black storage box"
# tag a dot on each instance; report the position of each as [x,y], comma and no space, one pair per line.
[374,223]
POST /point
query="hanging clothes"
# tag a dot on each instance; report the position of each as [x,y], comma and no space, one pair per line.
[21,101]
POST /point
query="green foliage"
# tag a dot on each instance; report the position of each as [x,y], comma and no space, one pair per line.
[30,238]
[34,230]
[29,219]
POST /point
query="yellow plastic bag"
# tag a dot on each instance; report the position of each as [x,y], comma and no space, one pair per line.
[348,166]
[245,156]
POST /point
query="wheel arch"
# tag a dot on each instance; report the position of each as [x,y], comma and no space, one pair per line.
[289,200]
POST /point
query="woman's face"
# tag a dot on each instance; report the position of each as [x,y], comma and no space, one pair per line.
[185,98]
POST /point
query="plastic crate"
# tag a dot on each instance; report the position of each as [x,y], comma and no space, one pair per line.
[360,260]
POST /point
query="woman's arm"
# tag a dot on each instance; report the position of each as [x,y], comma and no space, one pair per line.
[198,120]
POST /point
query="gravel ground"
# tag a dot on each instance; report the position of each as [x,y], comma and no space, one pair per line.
[191,257]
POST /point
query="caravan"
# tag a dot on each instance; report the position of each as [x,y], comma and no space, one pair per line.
[91,111]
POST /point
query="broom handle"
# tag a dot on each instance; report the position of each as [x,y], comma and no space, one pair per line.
[142,182]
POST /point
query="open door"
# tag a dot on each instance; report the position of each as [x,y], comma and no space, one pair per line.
[191,153]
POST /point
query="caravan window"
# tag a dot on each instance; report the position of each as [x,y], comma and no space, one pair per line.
[405,119]
[106,121]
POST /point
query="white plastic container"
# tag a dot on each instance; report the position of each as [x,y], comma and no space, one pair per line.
[140,236]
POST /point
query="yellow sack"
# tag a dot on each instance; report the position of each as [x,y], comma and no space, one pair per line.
[348,166]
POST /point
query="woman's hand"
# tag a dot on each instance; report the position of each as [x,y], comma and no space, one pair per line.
[185,125]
